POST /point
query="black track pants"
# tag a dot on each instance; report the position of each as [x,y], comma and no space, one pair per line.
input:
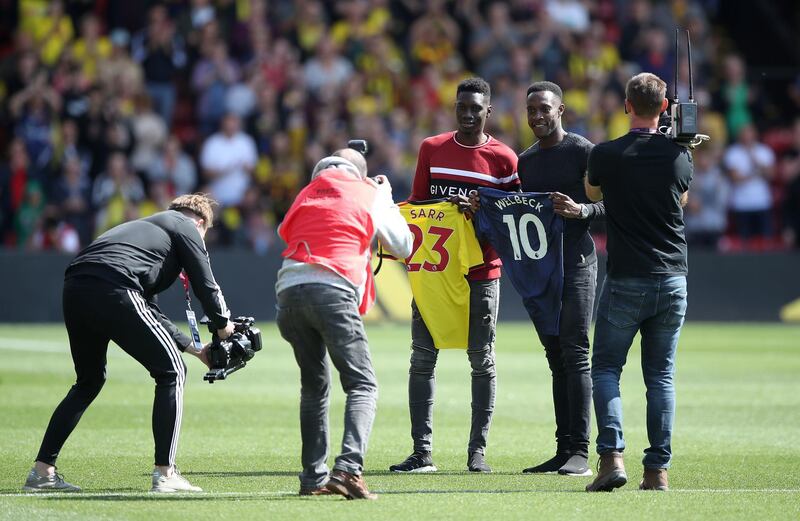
[94,313]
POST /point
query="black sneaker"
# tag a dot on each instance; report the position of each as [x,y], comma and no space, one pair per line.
[476,463]
[577,465]
[550,466]
[417,462]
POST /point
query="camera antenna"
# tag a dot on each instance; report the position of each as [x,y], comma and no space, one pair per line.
[689,58]
[677,62]
[683,116]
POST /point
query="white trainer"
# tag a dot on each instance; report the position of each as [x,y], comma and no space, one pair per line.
[52,483]
[173,483]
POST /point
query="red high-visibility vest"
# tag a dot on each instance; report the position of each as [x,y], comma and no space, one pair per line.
[330,224]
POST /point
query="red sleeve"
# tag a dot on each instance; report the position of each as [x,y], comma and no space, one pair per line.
[516,183]
[421,188]
[508,160]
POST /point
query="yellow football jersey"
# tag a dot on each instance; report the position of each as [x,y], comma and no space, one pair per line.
[445,248]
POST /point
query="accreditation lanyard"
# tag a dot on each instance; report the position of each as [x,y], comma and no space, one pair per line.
[198,344]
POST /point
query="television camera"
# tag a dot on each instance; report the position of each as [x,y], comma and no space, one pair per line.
[229,355]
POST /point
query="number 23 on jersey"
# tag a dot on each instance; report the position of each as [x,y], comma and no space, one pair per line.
[444,250]
[442,236]
[438,248]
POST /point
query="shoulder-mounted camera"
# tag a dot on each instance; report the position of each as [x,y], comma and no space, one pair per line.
[679,123]
[229,355]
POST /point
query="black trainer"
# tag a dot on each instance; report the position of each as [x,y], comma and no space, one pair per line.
[577,465]
[550,466]
[417,462]
[476,463]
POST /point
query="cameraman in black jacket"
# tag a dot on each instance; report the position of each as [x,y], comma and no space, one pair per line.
[109,293]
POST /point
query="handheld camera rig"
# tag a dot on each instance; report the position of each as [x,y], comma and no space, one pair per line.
[229,355]
[679,123]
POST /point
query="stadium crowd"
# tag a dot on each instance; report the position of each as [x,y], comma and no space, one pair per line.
[110,109]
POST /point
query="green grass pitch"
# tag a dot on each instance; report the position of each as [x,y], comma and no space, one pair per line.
[735,441]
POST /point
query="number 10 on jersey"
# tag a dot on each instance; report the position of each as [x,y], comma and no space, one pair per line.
[521,238]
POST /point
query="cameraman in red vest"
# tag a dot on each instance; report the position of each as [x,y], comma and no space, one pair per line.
[324,286]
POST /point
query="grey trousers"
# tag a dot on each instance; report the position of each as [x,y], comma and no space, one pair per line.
[313,317]
[484,299]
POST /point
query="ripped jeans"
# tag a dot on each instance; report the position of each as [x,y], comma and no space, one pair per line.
[484,299]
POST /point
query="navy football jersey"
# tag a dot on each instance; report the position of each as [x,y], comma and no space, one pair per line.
[528,235]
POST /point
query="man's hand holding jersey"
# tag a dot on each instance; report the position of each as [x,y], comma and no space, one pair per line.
[467,204]
[564,206]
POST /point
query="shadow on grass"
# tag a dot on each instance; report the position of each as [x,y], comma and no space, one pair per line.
[442,473]
[459,491]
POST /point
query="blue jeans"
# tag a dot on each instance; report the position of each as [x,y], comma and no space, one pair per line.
[656,306]
[322,324]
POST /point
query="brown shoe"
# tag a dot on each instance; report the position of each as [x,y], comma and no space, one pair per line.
[349,485]
[610,475]
[320,491]
[654,479]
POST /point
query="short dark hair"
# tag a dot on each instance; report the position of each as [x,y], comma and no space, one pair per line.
[646,93]
[476,85]
[546,86]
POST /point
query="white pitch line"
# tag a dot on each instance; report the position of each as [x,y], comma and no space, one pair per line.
[44,346]
[143,493]
[156,496]
[737,490]
[39,346]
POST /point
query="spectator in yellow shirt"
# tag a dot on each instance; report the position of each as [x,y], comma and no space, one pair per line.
[52,33]
[91,49]
[593,57]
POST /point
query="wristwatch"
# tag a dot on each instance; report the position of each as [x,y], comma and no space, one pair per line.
[584,211]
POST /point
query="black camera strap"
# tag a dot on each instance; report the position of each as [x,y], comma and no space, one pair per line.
[380,259]
[198,344]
